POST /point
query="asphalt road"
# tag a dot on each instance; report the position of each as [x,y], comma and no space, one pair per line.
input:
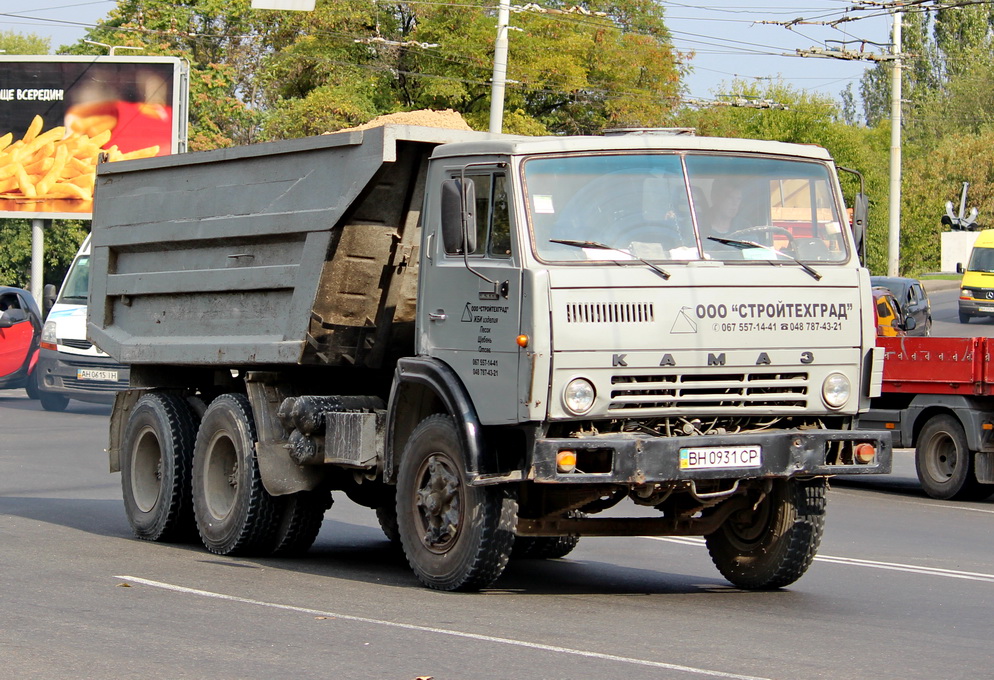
[901,589]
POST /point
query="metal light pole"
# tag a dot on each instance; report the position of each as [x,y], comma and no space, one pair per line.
[500,68]
[894,232]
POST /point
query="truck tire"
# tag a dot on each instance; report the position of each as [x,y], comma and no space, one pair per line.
[944,462]
[964,318]
[772,545]
[235,514]
[386,515]
[301,516]
[156,467]
[546,547]
[455,536]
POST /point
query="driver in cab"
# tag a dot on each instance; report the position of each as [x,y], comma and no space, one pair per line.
[723,218]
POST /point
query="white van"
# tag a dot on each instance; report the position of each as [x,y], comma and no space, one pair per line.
[69,365]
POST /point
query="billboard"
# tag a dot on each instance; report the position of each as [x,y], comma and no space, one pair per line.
[60,114]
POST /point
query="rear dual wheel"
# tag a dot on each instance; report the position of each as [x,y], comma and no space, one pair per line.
[156,467]
[235,513]
[944,462]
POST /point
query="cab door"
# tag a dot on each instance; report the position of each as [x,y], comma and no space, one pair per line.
[469,312]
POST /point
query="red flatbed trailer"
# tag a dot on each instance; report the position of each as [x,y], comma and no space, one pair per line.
[938,397]
[937,365]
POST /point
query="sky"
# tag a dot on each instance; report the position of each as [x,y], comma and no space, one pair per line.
[728,39]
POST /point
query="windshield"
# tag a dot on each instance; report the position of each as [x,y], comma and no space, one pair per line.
[74,290]
[666,206]
[982,260]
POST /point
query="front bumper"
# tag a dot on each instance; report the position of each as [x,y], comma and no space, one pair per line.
[976,307]
[639,459]
[65,374]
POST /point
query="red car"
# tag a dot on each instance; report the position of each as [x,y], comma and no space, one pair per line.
[20,331]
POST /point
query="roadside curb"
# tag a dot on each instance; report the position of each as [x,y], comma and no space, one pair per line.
[933,285]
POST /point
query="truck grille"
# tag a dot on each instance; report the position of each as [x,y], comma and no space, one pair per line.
[610,312]
[725,390]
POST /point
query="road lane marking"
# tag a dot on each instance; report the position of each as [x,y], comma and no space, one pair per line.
[852,561]
[934,505]
[441,631]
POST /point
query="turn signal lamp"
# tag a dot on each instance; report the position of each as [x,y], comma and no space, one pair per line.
[865,453]
[566,461]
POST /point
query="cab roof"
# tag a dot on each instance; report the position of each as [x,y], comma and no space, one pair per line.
[520,145]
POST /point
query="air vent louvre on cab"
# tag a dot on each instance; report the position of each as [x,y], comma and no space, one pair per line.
[610,312]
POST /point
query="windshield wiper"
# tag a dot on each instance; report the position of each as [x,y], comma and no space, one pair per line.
[752,244]
[594,244]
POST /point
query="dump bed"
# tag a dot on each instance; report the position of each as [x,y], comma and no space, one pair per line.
[303,251]
[931,365]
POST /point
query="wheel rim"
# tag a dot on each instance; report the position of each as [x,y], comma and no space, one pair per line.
[746,529]
[221,476]
[437,503]
[941,458]
[146,470]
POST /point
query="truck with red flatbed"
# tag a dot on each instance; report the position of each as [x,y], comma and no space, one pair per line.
[938,397]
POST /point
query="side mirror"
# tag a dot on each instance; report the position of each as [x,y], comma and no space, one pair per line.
[860,213]
[960,269]
[11,317]
[459,216]
[910,324]
[48,295]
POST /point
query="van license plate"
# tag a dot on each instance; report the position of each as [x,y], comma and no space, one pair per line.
[710,458]
[90,374]
[985,309]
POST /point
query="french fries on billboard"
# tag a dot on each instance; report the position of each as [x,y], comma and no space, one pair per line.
[53,164]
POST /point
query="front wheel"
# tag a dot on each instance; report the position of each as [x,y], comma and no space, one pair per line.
[771,544]
[944,462]
[964,318]
[455,536]
[52,402]
[235,514]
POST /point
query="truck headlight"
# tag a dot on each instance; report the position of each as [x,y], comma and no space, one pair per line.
[966,293]
[836,390]
[48,335]
[578,397]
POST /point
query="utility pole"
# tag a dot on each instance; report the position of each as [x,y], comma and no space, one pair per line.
[500,68]
[894,231]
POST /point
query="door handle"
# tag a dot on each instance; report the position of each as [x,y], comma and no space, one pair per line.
[437,316]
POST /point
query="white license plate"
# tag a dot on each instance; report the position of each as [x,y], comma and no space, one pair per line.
[90,374]
[985,309]
[711,458]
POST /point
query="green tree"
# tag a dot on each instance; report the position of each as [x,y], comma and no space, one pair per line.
[62,240]
[12,42]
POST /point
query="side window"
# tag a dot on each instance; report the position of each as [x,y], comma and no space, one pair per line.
[500,231]
[493,221]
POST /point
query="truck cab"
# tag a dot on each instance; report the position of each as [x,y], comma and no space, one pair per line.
[635,304]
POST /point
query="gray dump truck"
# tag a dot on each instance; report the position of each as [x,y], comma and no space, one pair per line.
[491,340]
